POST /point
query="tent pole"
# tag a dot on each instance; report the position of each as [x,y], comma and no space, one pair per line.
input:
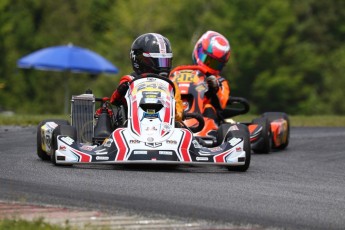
[66,92]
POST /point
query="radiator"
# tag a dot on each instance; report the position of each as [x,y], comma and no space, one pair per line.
[82,116]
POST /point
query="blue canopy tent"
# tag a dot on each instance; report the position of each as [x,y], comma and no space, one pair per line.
[69,59]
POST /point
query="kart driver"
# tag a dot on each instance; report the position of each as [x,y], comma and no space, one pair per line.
[150,53]
[211,52]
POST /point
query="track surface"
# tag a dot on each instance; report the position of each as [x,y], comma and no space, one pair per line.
[302,187]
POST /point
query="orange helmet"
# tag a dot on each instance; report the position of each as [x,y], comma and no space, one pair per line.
[212,51]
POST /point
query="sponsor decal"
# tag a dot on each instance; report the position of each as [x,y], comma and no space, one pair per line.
[204,153]
[238,149]
[165,153]
[234,141]
[88,147]
[134,141]
[51,124]
[47,141]
[166,127]
[152,94]
[201,158]
[153,145]
[67,140]
[216,149]
[101,152]
[62,148]
[107,142]
[151,129]
[151,114]
[139,152]
[102,158]
[196,144]
[183,85]
[171,142]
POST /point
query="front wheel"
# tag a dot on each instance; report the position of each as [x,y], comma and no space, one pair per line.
[40,152]
[241,131]
[61,130]
[222,133]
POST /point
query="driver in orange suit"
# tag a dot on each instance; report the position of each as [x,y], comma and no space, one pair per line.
[211,52]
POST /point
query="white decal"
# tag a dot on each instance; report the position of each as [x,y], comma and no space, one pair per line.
[107,142]
[172,142]
[165,153]
[88,147]
[101,152]
[196,144]
[139,152]
[166,127]
[67,140]
[234,141]
[102,158]
[201,158]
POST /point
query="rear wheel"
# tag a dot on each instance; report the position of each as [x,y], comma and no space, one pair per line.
[61,130]
[40,152]
[264,144]
[241,132]
[271,116]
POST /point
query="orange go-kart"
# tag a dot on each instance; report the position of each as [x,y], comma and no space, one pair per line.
[270,131]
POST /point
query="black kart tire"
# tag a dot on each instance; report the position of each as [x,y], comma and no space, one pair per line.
[40,152]
[271,116]
[221,132]
[242,132]
[265,144]
[61,130]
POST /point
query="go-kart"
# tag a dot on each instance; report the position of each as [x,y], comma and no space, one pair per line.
[268,132]
[143,131]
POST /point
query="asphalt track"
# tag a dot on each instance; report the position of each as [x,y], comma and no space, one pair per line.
[302,187]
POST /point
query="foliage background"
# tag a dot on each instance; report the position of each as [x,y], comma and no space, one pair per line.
[287,55]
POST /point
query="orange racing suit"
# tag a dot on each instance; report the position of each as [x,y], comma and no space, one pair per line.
[214,102]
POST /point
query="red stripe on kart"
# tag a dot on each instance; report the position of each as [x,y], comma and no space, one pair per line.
[83,157]
[131,87]
[221,157]
[135,119]
[120,145]
[186,140]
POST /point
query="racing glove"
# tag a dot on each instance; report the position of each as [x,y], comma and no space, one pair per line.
[212,83]
[122,89]
[118,96]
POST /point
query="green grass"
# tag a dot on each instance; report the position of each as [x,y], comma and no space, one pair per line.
[38,224]
[296,121]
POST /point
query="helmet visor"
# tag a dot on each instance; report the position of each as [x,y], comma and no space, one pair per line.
[160,60]
[209,61]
